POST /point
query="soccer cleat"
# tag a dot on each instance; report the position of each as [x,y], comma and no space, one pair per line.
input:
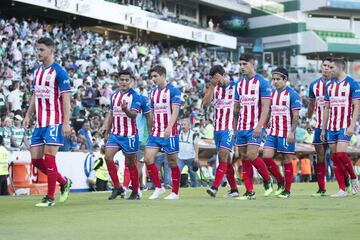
[134,196]
[212,192]
[340,194]
[280,189]
[232,194]
[354,186]
[46,202]
[64,190]
[117,192]
[268,188]
[247,196]
[172,196]
[348,185]
[284,194]
[319,193]
[157,193]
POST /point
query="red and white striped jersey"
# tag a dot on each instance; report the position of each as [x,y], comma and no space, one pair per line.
[223,101]
[340,96]
[249,93]
[121,124]
[317,91]
[48,85]
[283,103]
[161,103]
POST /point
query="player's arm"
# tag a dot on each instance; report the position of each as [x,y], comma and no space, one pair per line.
[105,128]
[29,112]
[311,108]
[66,130]
[236,114]
[208,96]
[295,123]
[130,113]
[173,119]
[149,120]
[265,107]
[325,120]
[355,115]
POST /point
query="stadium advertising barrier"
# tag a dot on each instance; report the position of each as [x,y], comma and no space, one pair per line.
[74,165]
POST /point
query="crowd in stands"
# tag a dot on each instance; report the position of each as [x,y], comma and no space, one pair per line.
[92,62]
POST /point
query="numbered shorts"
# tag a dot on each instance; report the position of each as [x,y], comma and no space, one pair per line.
[169,145]
[245,137]
[50,135]
[337,136]
[317,140]
[224,139]
[129,145]
[279,144]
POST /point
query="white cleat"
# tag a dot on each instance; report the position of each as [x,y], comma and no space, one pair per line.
[157,193]
[172,196]
[339,194]
[354,186]
[232,194]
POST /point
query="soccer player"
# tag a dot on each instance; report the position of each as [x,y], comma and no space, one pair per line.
[120,123]
[341,112]
[316,102]
[51,103]
[252,102]
[285,108]
[221,93]
[165,105]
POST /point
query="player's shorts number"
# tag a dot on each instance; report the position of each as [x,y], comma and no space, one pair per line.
[132,142]
[54,131]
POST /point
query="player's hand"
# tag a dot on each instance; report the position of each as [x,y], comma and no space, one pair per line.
[349,132]
[322,136]
[102,130]
[290,138]
[66,130]
[309,128]
[236,152]
[215,79]
[26,122]
[124,105]
[167,132]
[257,131]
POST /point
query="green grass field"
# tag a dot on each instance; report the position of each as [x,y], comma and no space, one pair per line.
[195,216]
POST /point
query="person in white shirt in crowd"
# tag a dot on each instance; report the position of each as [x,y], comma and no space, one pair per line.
[189,151]
[15,98]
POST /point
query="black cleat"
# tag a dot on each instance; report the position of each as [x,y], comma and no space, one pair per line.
[117,192]
[134,196]
[212,192]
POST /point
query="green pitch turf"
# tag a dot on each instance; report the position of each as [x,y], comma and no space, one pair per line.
[195,216]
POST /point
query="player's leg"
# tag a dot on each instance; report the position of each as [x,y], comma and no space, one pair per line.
[288,172]
[130,160]
[175,176]
[320,168]
[111,149]
[247,172]
[230,176]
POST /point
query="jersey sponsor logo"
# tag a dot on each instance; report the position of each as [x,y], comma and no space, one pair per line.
[245,100]
[43,92]
[337,102]
[224,103]
[279,110]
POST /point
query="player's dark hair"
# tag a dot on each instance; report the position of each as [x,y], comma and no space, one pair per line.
[158,69]
[329,59]
[216,69]
[125,72]
[339,62]
[46,41]
[247,58]
[281,71]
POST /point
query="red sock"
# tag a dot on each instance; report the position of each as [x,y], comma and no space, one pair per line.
[346,161]
[247,170]
[220,173]
[288,172]
[261,168]
[274,169]
[134,175]
[40,164]
[127,177]
[321,174]
[175,177]
[339,171]
[154,174]
[230,176]
[51,171]
[113,173]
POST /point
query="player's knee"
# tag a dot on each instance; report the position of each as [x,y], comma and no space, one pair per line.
[251,156]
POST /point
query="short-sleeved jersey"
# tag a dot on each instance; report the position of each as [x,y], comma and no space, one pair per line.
[122,124]
[282,104]
[144,105]
[249,93]
[162,101]
[223,101]
[19,134]
[7,134]
[48,85]
[317,92]
[340,96]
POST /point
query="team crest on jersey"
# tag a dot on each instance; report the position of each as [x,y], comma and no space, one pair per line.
[48,77]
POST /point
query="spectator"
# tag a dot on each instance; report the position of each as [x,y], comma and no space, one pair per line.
[15,98]
[4,166]
[20,137]
[7,133]
[85,137]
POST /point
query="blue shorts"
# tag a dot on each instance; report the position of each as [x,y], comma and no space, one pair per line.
[50,135]
[279,144]
[245,137]
[337,136]
[169,145]
[129,145]
[317,140]
[224,139]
